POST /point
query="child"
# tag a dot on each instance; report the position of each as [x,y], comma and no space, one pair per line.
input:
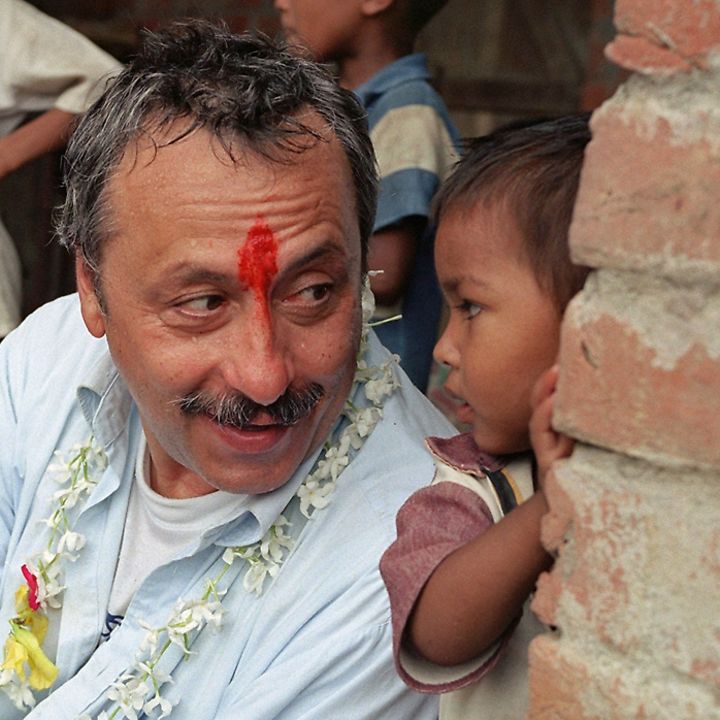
[415,144]
[463,565]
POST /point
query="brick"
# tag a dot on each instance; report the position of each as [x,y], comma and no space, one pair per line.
[649,172]
[556,684]
[643,56]
[629,576]
[640,368]
[690,29]
[570,680]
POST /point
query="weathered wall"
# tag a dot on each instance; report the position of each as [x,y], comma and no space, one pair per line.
[635,593]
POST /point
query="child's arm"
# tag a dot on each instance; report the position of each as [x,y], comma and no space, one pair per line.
[474,595]
[46,132]
[392,250]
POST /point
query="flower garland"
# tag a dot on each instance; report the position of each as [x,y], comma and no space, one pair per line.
[139,689]
[42,589]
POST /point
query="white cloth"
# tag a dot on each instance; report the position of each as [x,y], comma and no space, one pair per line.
[43,64]
[158,528]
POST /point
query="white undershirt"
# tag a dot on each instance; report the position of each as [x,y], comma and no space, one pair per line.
[157,528]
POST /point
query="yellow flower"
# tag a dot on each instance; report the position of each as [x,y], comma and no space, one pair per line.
[23,646]
[22,607]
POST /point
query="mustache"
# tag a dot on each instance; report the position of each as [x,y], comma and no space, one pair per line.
[237,410]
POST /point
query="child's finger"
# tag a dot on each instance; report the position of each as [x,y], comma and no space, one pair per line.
[544,387]
[541,423]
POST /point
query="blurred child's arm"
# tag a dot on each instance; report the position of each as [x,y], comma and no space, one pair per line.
[46,132]
[478,591]
[392,250]
[548,445]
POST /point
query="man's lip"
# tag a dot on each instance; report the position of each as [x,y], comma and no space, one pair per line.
[253,439]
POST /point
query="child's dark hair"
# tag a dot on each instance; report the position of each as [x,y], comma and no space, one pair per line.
[533,169]
[420,12]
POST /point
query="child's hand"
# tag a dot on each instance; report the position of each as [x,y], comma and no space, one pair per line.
[547,444]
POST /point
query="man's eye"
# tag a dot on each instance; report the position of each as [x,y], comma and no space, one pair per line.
[203,304]
[314,293]
[469,309]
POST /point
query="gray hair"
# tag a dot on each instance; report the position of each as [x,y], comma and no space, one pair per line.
[243,88]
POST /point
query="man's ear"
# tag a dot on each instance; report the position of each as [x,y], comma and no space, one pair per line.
[89,304]
[375,7]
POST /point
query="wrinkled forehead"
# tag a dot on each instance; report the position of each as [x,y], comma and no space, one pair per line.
[186,159]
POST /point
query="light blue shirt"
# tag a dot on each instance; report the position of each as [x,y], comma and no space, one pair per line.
[315,645]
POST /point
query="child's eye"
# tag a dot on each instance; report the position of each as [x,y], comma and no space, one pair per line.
[469,309]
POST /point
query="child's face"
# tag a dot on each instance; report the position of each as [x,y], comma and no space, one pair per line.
[503,329]
[325,27]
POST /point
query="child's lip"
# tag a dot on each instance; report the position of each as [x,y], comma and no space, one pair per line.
[464,413]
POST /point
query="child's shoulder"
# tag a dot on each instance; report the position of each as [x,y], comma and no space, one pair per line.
[502,482]
[403,82]
[462,452]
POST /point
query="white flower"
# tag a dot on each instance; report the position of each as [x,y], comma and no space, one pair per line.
[364,423]
[256,574]
[367,301]
[209,612]
[333,463]
[129,693]
[314,495]
[72,542]
[150,640]
[157,676]
[18,691]
[276,541]
[377,389]
[157,700]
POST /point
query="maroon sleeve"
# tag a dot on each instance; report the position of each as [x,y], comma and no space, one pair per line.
[433,523]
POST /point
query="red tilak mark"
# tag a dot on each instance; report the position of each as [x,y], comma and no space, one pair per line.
[257,260]
[32,584]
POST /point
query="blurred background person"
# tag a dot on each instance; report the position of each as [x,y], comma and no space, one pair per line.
[44,66]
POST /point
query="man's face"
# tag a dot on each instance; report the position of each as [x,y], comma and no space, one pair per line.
[223,280]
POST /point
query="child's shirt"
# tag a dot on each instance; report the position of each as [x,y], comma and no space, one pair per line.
[470,492]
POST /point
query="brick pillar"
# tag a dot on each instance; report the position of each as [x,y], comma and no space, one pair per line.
[634,597]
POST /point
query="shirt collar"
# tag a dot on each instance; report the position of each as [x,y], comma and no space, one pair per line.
[462,453]
[105,401]
[407,68]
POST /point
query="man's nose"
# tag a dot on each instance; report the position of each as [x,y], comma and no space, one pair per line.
[255,362]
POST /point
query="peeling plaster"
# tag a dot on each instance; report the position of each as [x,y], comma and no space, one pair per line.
[670,319]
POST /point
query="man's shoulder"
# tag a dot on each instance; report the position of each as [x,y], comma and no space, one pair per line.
[52,345]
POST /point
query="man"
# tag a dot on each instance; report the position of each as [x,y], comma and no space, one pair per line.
[211,550]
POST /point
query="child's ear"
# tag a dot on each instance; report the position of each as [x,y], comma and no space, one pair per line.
[375,7]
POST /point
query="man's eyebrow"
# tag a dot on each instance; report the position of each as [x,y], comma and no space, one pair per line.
[192,274]
[326,250]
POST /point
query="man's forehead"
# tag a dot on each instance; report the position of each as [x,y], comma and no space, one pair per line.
[304,131]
